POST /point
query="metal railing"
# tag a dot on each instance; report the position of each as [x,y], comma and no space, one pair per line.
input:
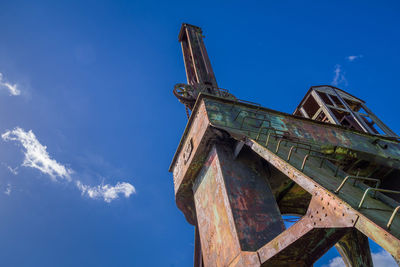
[323,158]
[308,147]
[378,182]
[375,189]
[392,217]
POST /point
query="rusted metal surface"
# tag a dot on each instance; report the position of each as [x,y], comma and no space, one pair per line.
[294,201]
[380,235]
[369,222]
[238,166]
[254,208]
[198,257]
[245,258]
[197,62]
[219,242]
[223,113]
[236,210]
[354,249]
[324,224]
[198,138]
[325,211]
[199,72]
[300,245]
[189,162]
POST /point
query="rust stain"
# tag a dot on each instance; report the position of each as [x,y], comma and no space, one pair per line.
[218,240]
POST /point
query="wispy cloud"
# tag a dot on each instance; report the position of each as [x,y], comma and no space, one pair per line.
[11,169]
[382,258]
[107,192]
[352,58]
[11,88]
[8,190]
[36,156]
[335,262]
[339,77]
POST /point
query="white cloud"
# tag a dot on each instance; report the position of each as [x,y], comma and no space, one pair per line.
[336,262]
[339,77]
[382,258]
[13,170]
[107,192]
[8,190]
[36,155]
[352,58]
[12,88]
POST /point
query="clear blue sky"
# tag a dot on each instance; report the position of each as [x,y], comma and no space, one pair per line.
[94,81]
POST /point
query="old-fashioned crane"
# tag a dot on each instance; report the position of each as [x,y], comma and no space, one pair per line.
[240,167]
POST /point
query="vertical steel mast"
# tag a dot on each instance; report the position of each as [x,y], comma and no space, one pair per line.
[199,73]
[197,64]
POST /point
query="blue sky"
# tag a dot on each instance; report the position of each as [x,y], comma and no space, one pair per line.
[92,81]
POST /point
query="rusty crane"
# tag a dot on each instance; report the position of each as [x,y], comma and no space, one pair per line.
[239,167]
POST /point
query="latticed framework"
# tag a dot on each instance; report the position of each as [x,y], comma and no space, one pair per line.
[239,167]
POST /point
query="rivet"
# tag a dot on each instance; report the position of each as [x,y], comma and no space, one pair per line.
[323,208]
[326,214]
[342,214]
